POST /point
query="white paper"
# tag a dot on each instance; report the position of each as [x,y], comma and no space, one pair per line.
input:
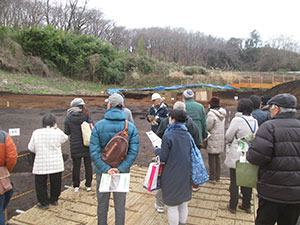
[118,183]
[155,140]
[243,159]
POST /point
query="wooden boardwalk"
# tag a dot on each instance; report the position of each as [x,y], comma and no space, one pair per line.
[207,207]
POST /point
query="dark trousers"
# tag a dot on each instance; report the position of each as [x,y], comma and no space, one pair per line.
[270,212]
[214,166]
[234,192]
[103,205]
[4,200]
[41,187]
[88,171]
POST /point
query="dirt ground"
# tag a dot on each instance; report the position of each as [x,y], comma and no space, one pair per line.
[26,112]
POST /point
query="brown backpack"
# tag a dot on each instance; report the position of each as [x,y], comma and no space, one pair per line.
[116,149]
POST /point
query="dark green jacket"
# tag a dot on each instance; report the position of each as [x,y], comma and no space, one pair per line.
[190,125]
[197,112]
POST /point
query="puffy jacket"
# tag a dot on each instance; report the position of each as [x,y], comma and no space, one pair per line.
[190,125]
[176,175]
[8,151]
[104,130]
[197,112]
[216,128]
[72,127]
[276,150]
[238,128]
[161,112]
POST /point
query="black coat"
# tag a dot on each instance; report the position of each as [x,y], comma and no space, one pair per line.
[72,127]
[276,150]
[190,125]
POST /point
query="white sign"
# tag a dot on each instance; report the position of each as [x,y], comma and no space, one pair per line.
[14,132]
[118,183]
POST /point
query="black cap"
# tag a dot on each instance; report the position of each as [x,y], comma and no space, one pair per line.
[284,100]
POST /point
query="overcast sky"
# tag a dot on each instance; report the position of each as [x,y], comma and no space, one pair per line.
[219,18]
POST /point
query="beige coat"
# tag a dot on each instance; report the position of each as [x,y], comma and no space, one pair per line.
[216,127]
[237,129]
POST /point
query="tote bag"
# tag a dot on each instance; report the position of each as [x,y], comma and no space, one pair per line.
[86,129]
[246,174]
[199,173]
[153,176]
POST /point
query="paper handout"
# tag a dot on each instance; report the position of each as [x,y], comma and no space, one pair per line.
[118,183]
[155,140]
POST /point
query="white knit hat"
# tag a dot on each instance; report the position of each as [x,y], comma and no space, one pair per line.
[188,94]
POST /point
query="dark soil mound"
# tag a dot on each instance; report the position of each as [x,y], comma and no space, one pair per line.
[291,87]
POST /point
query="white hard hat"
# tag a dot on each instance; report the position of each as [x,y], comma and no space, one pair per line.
[155,96]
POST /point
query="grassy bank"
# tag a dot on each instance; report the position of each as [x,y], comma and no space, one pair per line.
[31,84]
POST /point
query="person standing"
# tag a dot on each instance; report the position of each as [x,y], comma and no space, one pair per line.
[215,142]
[276,150]
[176,175]
[260,115]
[46,144]
[104,130]
[242,125]
[8,158]
[76,115]
[192,128]
[197,112]
[127,111]
[158,111]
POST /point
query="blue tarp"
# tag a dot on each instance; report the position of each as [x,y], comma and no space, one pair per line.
[174,87]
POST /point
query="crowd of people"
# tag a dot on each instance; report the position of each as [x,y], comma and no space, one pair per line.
[275,150]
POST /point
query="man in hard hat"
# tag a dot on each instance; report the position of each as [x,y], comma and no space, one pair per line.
[158,111]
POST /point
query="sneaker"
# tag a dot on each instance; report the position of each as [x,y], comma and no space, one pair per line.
[233,211]
[42,206]
[247,210]
[159,209]
[88,188]
[196,189]
[76,189]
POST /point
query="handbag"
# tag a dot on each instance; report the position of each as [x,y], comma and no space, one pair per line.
[199,173]
[153,176]
[86,129]
[5,184]
[246,174]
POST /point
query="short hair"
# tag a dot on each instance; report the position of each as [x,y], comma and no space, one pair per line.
[179,105]
[255,99]
[49,120]
[265,99]
[178,115]
[245,106]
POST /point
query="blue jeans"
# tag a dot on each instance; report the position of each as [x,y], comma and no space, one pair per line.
[4,200]
[103,205]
